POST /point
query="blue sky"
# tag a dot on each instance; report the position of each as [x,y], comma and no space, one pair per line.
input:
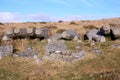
[54,10]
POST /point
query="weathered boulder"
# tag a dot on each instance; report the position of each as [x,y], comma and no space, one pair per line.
[115,33]
[20,33]
[16,33]
[98,38]
[91,33]
[6,50]
[10,33]
[70,35]
[54,47]
[54,38]
[41,33]
[31,32]
[105,30]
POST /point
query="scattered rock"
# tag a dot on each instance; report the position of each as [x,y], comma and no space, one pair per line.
[54,38]
[91,33]
[58,52]
[78,55]
[116,45]
[115,33]
[69,58]
[56,46]
[97,51]
[6,50]
[29,52]
[70,35]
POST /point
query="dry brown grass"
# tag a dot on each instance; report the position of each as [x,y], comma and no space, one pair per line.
[91,67]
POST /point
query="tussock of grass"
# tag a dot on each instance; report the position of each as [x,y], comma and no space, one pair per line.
[73,23]
[43,22]
[60,21]
[90,27]
[1,24]
[112,25]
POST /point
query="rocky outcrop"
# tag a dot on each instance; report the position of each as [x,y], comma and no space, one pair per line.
[58,51]
[32,33]
[58,56]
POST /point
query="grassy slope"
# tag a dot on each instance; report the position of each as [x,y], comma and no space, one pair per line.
[93,67]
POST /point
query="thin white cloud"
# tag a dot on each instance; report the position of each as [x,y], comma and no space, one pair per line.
[8,17]
[40,17]
[15,17]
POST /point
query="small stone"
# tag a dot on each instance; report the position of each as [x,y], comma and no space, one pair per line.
[116,45]
[97,51]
